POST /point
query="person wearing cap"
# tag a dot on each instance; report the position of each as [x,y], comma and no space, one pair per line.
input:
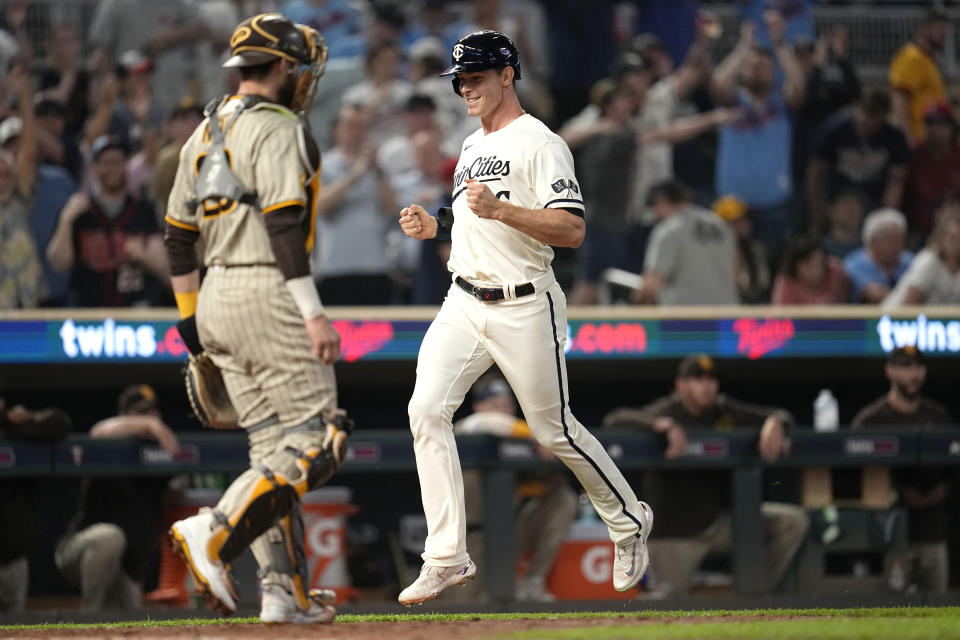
[427,57]
[933,277]
[934,171]
[924,491]
[914,77]
[691,257]
[545,503]
[114,535]
[22,282]
[695,504]
[753,272]
[109,238]
[861,151]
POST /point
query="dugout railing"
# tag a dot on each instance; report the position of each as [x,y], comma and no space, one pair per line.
[376,452]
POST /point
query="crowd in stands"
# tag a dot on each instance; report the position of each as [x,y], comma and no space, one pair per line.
[771,166]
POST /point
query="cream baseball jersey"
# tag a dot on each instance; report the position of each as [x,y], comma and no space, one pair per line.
[527,165]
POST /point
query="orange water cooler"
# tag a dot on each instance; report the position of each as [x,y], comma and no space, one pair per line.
[583,569]
[325,513]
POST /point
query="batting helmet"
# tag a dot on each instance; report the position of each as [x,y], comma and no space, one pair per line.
[482,50]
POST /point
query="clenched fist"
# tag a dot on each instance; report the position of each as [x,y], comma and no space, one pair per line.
[417,223]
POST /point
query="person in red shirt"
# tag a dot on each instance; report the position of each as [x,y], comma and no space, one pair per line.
[809,275]
[934,172]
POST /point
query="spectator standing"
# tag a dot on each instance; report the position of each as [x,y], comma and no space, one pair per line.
[934,172]
[934,275]
[575,69]
[545,504]
[116,530]
[832,84]
[875,269]
[66,79]
[692,253]
[166,33]
[846,217]
[753,272]
[355,207]
[754,153]
[340,22]
[685,535]
[863,152]
[923,491]
[109,238]
[797,16]
[383,93]
[809,275]
[21,272]
[915,77]
[660,104]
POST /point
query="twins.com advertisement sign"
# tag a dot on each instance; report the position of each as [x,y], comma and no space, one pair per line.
[110,340]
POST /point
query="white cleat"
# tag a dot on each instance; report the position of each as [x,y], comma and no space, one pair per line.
[279,607]
[433,579]
[631,558]
[212,580]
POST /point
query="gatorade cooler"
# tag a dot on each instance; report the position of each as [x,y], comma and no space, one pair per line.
[583,569]
[325,513]
[173,584]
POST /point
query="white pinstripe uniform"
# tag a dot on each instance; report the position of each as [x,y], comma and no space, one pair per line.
[531,167]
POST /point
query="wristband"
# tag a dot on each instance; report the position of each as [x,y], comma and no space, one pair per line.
[186,303]
[304,293]
[187,328]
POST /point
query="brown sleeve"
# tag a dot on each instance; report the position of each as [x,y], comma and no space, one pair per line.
[179,242]
[288,241]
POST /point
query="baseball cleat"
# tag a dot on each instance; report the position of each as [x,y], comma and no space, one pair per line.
[210,577]
[631,559]
[432,580]
[279,607]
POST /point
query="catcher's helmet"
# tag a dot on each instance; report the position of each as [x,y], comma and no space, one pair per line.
[482,50]
[266,37]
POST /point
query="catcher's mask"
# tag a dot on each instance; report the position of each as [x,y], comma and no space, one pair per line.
[268,36]
[482,50]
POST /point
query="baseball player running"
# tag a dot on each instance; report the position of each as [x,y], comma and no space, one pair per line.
[515,195]
[246,186]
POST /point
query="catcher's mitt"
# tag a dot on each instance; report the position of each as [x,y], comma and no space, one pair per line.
[208,395]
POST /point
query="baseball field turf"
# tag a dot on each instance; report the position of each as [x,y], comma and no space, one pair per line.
[902,623]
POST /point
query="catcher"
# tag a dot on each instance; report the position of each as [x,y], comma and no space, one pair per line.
[261,346]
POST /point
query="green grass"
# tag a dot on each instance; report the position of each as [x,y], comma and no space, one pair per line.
[899,623]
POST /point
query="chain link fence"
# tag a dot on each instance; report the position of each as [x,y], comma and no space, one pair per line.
[876,32]
[876,29]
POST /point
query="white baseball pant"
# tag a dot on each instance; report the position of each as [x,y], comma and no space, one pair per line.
[525,337]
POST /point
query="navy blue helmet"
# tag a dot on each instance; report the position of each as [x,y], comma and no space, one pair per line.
[482,50]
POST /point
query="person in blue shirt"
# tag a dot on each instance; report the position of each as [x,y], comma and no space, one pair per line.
[754,151]
[875,269]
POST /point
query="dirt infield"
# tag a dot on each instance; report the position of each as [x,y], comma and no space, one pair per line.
[475,628]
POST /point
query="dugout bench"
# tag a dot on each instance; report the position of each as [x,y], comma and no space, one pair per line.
[373,452]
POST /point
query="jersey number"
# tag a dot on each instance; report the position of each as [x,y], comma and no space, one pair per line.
[503,194]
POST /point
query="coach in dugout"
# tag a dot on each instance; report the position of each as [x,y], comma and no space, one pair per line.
[695,520]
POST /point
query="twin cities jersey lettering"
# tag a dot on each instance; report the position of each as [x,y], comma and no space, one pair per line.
[527,165]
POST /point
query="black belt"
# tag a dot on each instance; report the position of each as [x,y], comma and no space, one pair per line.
[493,294]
